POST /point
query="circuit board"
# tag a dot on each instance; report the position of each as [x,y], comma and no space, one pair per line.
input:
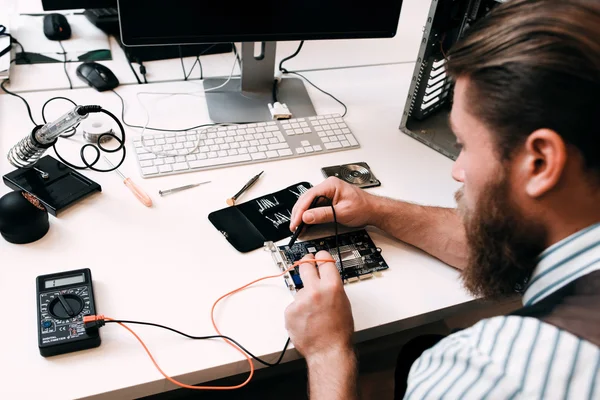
[361,259]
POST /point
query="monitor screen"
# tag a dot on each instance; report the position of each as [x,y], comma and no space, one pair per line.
[51,5]
[187,22]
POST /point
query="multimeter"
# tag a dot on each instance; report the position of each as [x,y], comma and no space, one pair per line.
[63,299]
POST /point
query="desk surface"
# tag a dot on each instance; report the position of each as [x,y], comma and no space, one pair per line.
[168,264]
[316,55]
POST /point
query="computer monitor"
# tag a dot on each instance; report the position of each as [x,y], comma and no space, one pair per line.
[52,5]
[255,23]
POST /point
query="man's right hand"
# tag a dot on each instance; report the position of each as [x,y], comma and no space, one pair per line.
[353,206]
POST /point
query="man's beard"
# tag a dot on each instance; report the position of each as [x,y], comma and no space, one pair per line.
[503,244]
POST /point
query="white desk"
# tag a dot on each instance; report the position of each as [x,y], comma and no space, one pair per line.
[316,55]
[168,264]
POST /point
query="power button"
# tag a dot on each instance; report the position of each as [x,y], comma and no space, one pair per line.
[46,324]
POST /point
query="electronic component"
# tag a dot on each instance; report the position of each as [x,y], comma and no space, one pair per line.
[358,174]
[63,299]
[280,111]
[361,259]
[223,146]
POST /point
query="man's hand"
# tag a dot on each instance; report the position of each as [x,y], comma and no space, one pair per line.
[320,325]
[353,206]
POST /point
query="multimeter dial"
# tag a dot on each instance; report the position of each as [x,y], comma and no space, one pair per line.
[65,306]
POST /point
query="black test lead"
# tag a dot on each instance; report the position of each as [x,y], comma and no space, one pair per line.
[301,226]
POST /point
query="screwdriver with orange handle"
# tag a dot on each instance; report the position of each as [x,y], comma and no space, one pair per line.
[135,189]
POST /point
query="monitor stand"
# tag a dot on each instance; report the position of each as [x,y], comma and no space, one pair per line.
[246,99]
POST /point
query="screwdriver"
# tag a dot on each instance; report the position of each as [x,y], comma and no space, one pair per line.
[135,189]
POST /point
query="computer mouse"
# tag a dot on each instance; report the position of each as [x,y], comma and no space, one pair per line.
[56,27]
[97,76]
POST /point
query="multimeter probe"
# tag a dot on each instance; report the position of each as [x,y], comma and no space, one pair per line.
[94,322]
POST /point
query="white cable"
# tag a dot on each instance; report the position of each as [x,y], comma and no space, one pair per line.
[198,132]
[228,79]
[165,154]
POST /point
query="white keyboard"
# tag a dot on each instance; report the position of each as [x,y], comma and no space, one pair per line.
[221,146]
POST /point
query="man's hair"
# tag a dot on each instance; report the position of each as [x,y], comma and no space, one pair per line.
[535,64]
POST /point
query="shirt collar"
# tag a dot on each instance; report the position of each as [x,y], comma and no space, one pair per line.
[564,262]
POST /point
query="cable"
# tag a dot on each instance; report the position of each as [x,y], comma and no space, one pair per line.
[137,78]
[148,128]
[64,53]
[185,78]
[97,147]
[265,363]
[228,79]
[321,90]
[290,57]
[23,53]
[337,244]
[236,54]
[186,74]
[275,86]
[276,82]
[285,71]
[166,154]
[24,101]
[200,66]
[233,344]
[143,71]
[97,321]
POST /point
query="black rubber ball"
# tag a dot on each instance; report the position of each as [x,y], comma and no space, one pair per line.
[23,219]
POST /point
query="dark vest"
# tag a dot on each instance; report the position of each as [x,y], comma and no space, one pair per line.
[575,308]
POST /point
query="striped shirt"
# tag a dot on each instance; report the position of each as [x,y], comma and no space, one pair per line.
[510,357]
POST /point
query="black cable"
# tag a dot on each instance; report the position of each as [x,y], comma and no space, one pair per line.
[185,78]
[64,53]
[268,364]
[137,78]
[321,90]
[188,74]
[143,71]
[235,52]
[23,53]
[275,86]
[290,57]
[201,69]
[154,129]
[12,40]
[337,244]
[3,33]
[24,101]
[98,147]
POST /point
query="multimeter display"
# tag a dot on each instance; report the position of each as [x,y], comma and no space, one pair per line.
[51,283]
[63,300]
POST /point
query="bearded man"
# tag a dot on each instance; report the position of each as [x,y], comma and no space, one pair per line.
[525,111]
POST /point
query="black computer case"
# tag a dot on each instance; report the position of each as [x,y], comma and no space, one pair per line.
[429,100]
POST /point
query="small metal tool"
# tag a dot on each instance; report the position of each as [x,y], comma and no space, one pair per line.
[135,189]
[231,201]
[181,188]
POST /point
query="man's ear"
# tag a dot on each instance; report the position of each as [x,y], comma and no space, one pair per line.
[544,161]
